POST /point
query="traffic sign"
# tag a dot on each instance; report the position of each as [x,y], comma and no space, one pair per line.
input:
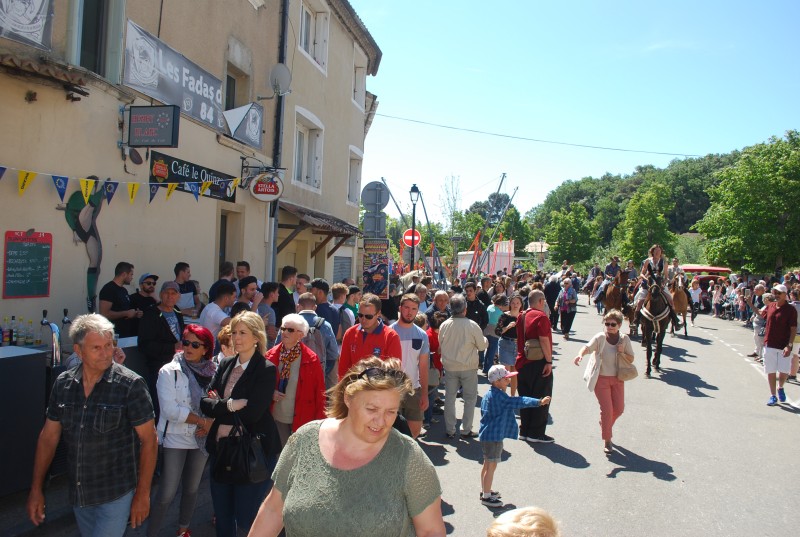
[408,237]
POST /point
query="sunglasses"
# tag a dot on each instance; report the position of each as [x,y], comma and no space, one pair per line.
[288,329]
[148,282]
[377,373]
[610,324]
[192,344]
[367,316]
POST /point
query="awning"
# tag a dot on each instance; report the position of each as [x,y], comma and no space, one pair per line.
[318,222]
[42,69]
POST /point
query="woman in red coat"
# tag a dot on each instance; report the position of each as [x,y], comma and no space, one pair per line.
[300,389]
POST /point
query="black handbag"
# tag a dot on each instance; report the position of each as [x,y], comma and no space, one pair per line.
[240,459]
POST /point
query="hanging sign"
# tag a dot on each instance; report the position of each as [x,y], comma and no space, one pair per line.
[190,177]
[266,187]
[154,126]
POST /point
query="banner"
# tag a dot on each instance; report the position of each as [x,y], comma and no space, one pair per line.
[27,21]
[190,177]
[2,171]
[24,180]
[111,189]
[171,188]
[87,188]
[244,124]
[376,267]
[61,183]
[162,73]
[133,188]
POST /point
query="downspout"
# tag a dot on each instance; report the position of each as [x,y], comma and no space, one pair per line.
[277,147]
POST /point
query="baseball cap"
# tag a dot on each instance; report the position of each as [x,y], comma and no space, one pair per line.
[780,288]
[170,285]
[146,275]
[497,372]
[353,289]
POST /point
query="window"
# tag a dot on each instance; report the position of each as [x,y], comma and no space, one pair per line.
[359,77]
[237,86]
[354,175]
[313,41]
[95,36]
[308,150]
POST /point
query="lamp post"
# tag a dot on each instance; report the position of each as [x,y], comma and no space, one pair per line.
[414,198]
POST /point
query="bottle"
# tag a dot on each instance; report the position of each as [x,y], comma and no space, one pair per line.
[29,334]
[6,332]
[40,337]
[13,330]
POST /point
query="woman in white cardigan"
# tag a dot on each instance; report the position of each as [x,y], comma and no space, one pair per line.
[601,376]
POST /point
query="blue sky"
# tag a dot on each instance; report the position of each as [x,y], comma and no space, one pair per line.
[690,78]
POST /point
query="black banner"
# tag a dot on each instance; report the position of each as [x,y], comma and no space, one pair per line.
[190,177]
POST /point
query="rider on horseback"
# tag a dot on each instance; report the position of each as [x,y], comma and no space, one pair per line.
[653,267]
[673,270]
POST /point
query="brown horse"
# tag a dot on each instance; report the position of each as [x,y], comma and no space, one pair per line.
[677,288]
[614,297]
[655,319]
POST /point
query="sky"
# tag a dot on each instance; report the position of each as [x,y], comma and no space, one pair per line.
[686,78]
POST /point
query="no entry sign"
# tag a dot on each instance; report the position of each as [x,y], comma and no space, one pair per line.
[411,237]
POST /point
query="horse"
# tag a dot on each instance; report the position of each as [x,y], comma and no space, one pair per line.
[655,319]
[614,297]
[677,288]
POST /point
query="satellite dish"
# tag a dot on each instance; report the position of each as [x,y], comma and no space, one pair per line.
[280,80]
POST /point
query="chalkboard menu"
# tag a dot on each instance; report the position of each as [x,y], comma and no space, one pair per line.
[26,264]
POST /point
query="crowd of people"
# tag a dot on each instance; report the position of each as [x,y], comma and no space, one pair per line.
[332,384]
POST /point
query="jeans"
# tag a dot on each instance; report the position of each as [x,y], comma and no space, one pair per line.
[235,506]
[468,381]
[491,352]
[531,383]
[610,393]
[508,351]
[108,519]
[181,466]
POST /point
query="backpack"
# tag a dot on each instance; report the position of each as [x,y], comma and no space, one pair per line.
[344,322]
[314,340]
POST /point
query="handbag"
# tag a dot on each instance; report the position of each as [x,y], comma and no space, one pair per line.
[625,370]
[533,347]
[240,459]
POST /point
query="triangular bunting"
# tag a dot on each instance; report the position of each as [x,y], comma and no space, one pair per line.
[194,188]
[61,183]
[153,191]
[236,183]
[24,180]
[205,186]
[2,171]
[111,189]
[171,188]
[87,187]
[133,188]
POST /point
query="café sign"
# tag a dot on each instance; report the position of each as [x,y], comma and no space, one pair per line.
[154,126]
[190,177]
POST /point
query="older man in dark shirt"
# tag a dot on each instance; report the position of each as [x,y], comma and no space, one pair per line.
[104,413]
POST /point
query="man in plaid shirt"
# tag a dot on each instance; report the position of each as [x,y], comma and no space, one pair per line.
[106,416]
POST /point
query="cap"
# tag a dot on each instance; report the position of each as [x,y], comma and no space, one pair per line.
[170,285]
[497,372]
[146,275]
[353,289]
[615,258]
[780,288]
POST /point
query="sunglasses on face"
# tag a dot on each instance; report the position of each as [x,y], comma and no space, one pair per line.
[192,344]
[288,329]
[610,324]
[377,373]
[367,316]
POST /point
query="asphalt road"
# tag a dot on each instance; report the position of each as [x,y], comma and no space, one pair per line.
[698,453]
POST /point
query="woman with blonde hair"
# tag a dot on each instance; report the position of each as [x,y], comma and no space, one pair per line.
[352,473]
[524,522]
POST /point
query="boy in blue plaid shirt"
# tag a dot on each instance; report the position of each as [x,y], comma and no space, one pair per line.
[498,422]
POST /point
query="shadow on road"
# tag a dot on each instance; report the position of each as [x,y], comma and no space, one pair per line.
[435,452]
[561,455]
[629,461]
[676,354]
[688,381]
[790,409]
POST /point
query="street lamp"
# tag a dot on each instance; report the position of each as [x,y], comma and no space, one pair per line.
[414,198]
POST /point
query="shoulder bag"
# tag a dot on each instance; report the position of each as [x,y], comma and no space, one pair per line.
[625,370]
[533,348]
[240,459]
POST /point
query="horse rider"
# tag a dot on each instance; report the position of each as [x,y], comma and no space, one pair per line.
[673,270]
[610,273]
[653,267]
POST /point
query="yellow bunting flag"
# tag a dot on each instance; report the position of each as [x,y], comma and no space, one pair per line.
[25,179]
[235,183]
[204,187]
[87,187]
[133,188]
[171,188]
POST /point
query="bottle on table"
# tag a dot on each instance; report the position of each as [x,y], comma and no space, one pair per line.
[6,332]
[14,330]
[29,339]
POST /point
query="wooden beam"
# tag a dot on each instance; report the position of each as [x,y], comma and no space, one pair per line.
[337,245]
[321,245]
[291,236]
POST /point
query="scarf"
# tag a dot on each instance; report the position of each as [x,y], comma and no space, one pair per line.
[288,356]
[204,368]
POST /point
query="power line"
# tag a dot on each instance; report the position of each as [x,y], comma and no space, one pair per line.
[538,140]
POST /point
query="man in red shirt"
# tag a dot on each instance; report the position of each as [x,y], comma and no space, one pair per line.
[369,338]
[778,340]
[535,377]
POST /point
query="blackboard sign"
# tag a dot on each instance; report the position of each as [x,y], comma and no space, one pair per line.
[154,126]
[26,264]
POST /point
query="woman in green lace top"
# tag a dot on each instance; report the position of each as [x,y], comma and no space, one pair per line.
[352,474]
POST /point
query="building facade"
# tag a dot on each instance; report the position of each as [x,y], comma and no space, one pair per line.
[69,75]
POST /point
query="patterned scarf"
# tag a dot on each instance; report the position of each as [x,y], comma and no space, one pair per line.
[204,368]
[288,356]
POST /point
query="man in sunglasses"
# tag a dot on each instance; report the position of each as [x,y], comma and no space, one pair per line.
[368,338]
[778,342]
[145,297]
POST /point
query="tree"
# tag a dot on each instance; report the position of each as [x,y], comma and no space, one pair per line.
[466,225]
[492,209]
[450,201]
[514,227]
[571,235]
[753,219]
[645,223]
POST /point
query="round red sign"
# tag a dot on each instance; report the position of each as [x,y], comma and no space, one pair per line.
[266,187]
[408,237]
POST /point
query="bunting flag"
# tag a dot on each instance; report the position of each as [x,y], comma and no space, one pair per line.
[133,188]
[194,188]
[24,180]
[153,191]
[171,188]
[3,170]
[87,187]
[61,183]
[235,181]
[111,189]
[206,185]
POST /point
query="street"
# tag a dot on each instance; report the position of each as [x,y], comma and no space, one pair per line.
[697,451]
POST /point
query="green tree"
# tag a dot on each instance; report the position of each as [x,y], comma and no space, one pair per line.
[514,227]
[645,223]
[571,235]
[466,225]
[753,219]
[492,209]
[690,248]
